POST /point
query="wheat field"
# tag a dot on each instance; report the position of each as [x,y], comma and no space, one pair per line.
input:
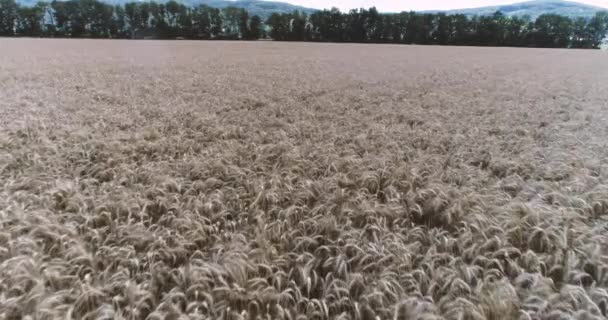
[262,180]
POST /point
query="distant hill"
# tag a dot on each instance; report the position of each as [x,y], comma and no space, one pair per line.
[261,8]
[534,9]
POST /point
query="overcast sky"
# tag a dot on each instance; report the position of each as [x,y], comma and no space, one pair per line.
[401,5]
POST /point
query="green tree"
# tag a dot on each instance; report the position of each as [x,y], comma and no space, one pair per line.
[47,20]
[297,26]
[491,30]
[179,19]
[279,26]
[580,35]
[217,24]
[397,26]
[419,29]
[373,25]
[99,18]
[356,24]
[30,20]
[330,25]
[94,18]
[443,32]
[255,28]
[8,17]
[598,28]
[232,22]
[69,18]
[158,20]
[462,28]
[136,16]
[117,23]
[185,26]
[244,24]
[60,18]
[516,31]
[202,21]
[553,31]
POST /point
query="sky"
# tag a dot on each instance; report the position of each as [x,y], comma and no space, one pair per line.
[406,5]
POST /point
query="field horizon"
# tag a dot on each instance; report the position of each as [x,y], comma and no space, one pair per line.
[268,180]
[309,43]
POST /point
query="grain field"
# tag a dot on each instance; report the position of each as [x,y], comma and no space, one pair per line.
[263,180]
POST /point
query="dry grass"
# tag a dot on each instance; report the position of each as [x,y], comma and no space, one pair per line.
[194,180]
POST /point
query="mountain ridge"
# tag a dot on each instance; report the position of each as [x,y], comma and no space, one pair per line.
[531,8]
[261,8]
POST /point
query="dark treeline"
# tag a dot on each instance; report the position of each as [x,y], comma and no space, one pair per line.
[171,20]
[548,30]
[95,19]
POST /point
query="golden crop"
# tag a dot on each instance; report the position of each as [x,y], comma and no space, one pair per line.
[229,180]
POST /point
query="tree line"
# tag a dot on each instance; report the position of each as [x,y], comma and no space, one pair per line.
[548,30]
[96,19]
[171,20]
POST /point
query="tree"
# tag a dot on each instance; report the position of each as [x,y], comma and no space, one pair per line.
[117,23]
[99,18]
[290,26]
[202,21]
[373,25]
[244,24]
[297,26]
[491,29]
[158,20]
[419,28]
[255,28]
[47,19]
[179,20]
[581,38]
[8,17]
[279,26]
[70,19]
[462,28]
[136,17]
[553,31]
[29,22]
[231,21]
[60,18]
[598,28]
[217,24]
[356,24]
[329,25]
[184,23]
[94,18]
[397,26]
[516,31]
[443,32]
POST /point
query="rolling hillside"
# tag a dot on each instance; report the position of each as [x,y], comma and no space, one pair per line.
[534,9]
[261,8]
